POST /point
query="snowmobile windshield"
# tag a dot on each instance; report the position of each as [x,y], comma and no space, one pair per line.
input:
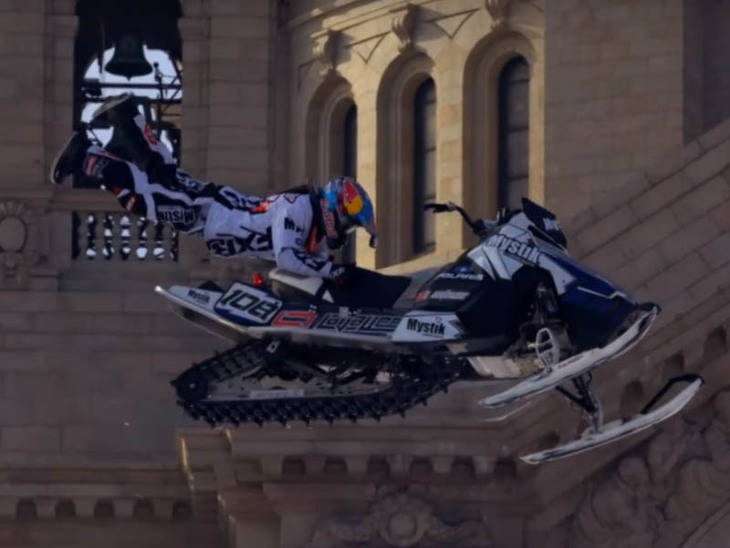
[545,223]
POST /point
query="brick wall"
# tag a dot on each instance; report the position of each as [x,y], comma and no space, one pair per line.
[613,94]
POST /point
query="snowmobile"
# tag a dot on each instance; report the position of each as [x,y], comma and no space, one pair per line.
[515,306]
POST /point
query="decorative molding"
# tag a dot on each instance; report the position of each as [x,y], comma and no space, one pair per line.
[401,519]
[450,24]
[499,11]
[324,50]
[365,48]
[18,244]
[660,495]
[403,25]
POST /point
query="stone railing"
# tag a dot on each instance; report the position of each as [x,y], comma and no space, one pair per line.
[102,235]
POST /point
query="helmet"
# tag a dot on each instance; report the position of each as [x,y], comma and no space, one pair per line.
[345,205]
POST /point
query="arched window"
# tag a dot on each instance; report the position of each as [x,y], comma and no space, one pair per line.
[513,133]
[330,146]
[424,165]
[405,159]
[349,142]
[349,168]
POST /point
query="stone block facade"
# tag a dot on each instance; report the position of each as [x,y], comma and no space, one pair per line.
[629,143]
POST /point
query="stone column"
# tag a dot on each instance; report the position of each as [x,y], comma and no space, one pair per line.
[195,33]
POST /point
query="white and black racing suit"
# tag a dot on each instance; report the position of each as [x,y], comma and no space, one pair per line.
[284,228]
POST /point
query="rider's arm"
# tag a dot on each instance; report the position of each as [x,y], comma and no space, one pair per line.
[289,232]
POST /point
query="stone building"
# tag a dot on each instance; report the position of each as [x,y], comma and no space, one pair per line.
[614,114]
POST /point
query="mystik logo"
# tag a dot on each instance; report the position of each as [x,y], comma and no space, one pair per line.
[425,328]
[515,248]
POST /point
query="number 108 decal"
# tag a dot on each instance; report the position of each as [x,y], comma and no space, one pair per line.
[244,303]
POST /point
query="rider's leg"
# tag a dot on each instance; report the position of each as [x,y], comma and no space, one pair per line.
[137,194]
[134,139]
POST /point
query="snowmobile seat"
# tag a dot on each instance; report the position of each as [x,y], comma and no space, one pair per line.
[363,289]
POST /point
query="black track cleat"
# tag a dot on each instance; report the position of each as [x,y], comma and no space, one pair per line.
[71,157]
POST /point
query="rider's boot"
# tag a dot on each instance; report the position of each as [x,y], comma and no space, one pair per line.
[71,157]
[102,169]
[134,139]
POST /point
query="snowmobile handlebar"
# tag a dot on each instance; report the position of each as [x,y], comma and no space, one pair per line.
[479,227]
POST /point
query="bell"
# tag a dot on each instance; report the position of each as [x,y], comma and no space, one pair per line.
[128,59]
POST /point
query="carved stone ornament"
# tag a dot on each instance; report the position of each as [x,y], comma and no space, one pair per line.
[324,50]
[499,10]
[400,520]
[660,495]
[17,253]
[403,25]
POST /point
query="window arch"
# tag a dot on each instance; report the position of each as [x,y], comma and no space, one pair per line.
[326,131]
[405,161]
[503,125]
[513,141]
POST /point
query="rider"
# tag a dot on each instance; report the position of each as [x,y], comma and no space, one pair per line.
[290,227]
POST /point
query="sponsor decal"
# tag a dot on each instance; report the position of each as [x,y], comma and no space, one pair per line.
[130,203]
[434,329]
[202,298]
[422,295]
[149,135]
[291,225]
[550,224]
[519,250]
[365,324]
[245,303]
[95,166]
[294,318]
[261,207]
[176,214]
[227,245]
[328,218]
[449,295]
[351,198]
[461,276]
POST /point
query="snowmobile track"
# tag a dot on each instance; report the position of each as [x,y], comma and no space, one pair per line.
[404,393]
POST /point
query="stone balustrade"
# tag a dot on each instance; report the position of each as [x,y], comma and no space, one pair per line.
[103,235]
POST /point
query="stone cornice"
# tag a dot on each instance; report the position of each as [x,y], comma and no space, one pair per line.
[86,493]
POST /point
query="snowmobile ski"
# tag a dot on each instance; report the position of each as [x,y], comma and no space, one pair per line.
[622,428]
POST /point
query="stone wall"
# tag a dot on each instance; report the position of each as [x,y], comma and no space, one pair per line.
[665,236]
[707,79]
[613,94]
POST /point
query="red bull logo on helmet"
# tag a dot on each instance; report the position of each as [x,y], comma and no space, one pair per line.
[351,199]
